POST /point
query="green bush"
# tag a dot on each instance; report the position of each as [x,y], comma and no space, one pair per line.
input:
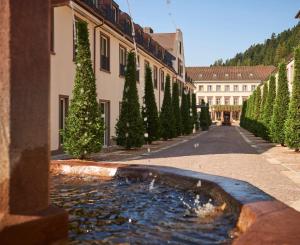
[292,124]
[130,126]
[83,133]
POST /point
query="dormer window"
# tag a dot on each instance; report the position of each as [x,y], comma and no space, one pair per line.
[226,75]
[200,75]
[214,75]
[115,14]
[251,75]
[239,75]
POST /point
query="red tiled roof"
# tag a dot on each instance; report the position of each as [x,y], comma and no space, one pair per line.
[231,73]
[165,39]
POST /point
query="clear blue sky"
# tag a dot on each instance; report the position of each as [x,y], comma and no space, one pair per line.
[215,29]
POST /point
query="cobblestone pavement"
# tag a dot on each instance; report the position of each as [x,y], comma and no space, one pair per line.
[234,152]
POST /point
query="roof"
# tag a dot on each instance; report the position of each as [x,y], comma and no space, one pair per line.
[231,73]
[165,39]
[298,15]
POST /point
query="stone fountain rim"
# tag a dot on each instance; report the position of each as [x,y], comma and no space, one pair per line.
[262,218]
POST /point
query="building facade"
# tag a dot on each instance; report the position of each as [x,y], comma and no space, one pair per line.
[225,88]
[110,36]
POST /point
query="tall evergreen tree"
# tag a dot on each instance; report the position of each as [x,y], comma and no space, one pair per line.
[176,109]
[208,115]
[191,124]
[270,102]
[150,112]
[167,120]
[264,102]
[195,114]
[243,115]
[257,103]
[185,114]
[292,124]
[204,121]
[281,107]
[83,133]
[130,126]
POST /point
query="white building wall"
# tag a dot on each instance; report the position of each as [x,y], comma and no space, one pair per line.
[109,84]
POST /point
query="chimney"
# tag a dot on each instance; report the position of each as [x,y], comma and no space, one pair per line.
[148,30]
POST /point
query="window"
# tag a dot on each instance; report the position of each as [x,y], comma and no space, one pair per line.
[236,88]
[226,75]
[63,112]
[180,68]
[200,88]
[227,100]
[210,100]
[245,88]
[162,81]
[52,30]
[137,73]
[122,60]
[200,75]
[200,98]
[155,76]
[227,88]
[239,74]
[214,75]
[209,88]
[104,53]
[115,14]
[253,87]
[251,75]
[236,100]
[218,101]
[218,88]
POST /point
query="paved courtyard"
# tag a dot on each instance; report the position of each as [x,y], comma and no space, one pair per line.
[234,152]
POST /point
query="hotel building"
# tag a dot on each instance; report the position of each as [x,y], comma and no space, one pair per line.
[110,36]
[225,88]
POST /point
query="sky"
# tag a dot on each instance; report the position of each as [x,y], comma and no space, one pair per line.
[214,29]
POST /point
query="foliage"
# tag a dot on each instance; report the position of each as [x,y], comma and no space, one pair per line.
[83,133]
[271,52]
[270,103]
[130,126]
[176,109]
[292,124]
[185,114]
[204,120]
[195,114]
[150,113]
[281,107]
[167,120]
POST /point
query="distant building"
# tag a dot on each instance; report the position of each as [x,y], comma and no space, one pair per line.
[225,88]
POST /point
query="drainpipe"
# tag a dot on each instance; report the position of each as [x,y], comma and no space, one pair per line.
[94,58]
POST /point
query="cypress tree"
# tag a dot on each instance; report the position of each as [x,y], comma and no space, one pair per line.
[243,114]
[257,103]
[167,120]
[281,107]
[150,113]
[208,115]
[195,114]
[190,121]
[176,109]
[185,114]
[292,125]
[83,133]
[130,126]
[204,124]
[263,102]
[270,102]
